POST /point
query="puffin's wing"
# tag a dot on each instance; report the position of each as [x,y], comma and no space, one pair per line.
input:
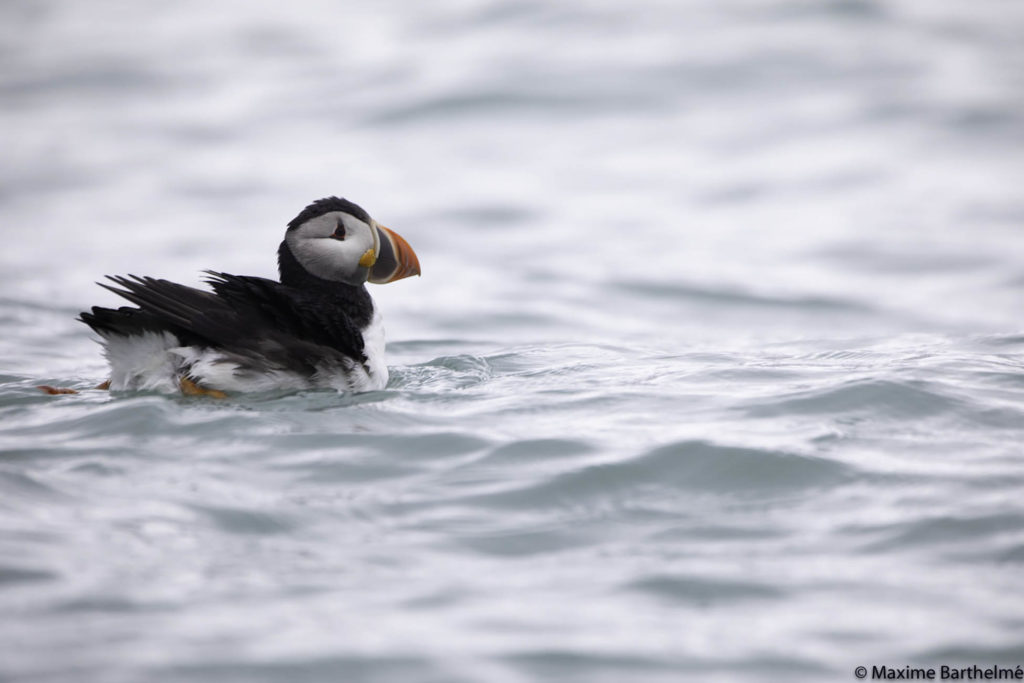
[292,311]
[202,316]
[247,316]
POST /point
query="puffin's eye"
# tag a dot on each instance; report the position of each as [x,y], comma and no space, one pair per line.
[339,232]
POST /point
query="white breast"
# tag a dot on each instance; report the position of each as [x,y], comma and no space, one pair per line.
[373,340]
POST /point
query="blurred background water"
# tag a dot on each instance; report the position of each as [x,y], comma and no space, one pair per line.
[715,371]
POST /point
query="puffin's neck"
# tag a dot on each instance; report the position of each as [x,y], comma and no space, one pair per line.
[352,300]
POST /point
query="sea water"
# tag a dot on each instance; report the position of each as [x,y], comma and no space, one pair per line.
[715,370]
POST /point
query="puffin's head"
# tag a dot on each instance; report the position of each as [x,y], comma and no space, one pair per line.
[336,240]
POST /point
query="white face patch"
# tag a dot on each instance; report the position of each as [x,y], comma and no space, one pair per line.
[321,253]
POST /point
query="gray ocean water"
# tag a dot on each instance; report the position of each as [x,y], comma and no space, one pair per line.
[715,370]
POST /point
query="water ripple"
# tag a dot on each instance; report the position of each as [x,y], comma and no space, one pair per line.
[693,466]
[890,398]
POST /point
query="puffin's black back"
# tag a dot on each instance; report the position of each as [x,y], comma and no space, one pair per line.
[250,317]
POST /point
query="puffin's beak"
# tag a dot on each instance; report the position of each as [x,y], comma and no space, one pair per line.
[395,260]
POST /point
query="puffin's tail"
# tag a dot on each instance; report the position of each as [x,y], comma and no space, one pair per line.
[125,321]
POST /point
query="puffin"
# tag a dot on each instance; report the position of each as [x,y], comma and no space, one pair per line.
[316,328]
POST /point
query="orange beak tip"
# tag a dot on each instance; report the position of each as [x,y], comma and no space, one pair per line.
[397,259]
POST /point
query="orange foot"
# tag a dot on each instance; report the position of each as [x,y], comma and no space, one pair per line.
[53,391]
[104,385]
[190,388]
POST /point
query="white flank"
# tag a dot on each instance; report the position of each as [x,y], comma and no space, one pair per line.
[142,361]
[156,362]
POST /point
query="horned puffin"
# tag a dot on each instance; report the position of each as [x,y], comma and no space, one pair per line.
[316,328]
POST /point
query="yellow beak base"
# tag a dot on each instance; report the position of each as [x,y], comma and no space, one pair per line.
[368,259]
